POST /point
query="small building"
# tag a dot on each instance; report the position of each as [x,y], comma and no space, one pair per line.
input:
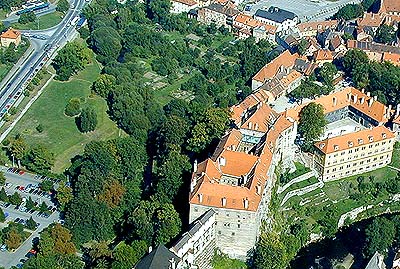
[376,262]
[282,19]
[183,6]
[220,15]
[323,56]
[160,258]
[10,36]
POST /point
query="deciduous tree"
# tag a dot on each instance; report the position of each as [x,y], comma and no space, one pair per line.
[311,123]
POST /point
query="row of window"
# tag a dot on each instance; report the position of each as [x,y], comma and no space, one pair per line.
[355,171]
[357,163]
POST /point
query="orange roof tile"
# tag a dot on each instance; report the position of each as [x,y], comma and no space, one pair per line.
[319,26]
[285,59]
[365,104]
[11,34]
[370,19]
[389,6]
[292,76]
[397,120]
[355,139]
[323,55]
[393,58]
[260,119]
[186,2]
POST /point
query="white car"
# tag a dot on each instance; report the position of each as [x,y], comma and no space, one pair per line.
[8,185]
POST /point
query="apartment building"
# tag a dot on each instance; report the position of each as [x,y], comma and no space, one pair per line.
[354,153]
[182,6]
[282,19]
[10,36]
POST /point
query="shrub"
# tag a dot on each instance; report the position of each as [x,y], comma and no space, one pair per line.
[73,107]
[40,128]
[87,121]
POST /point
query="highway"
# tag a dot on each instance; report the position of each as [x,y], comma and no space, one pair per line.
[43,50]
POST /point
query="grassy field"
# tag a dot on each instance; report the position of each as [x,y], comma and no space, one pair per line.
[43,22]
[4,70]
[60,133]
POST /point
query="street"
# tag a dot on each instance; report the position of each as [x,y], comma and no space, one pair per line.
[43,51]
[8,259]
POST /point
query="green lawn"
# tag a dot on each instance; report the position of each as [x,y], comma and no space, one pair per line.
[42,22]
[4,70]
[2,14]
[60,133]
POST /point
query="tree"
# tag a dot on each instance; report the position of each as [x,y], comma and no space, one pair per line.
[18,148]
[62,240]
[112,193]
[158,10]
[27,17]
[62,6]
[31,224]
[354,58]
[2,216]
[270,252]
[106,42]
[15,199]
[167,224]
[103,85]
[3,195]
[63,195]
[30,204]
[39,159]
[2,178]
[13,239]
[87,120]
[302,46]
[126,256]
[43,207]
[311,123]
[326,74]
[46,185]
[73,107]
[70,59]
[379,236]
[349,12]
[385,34]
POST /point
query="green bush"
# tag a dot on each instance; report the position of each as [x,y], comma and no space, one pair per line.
[87,121]
[40,128]
[73,107]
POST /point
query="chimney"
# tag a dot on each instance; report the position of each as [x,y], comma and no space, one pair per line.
[362,100]
[375,98]
[355,98]
[223,201]
[388,111]
[222,161]
[368,94]
[258,189]
[370,101]
[362,90]
[334,101]
[200,197]
[246,203]
[195,166]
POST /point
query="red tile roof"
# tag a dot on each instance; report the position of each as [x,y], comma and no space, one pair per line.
[11,34]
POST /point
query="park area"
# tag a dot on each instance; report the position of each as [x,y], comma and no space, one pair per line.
[60,133]
[42,22]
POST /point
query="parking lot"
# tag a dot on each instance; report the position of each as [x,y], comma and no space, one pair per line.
[27,185]
[306,10]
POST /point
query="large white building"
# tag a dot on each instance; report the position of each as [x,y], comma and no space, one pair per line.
[282,19]
[182,6]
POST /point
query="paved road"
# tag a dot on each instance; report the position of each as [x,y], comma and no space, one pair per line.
[13,90]
[8,259]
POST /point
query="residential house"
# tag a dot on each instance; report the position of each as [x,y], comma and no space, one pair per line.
[10,36]
[282,19]
[337,45]
[377,52]
[396,261]
[281,64]
[220,15]
[160,258]
[246,26]
[311,29]
[391,7]
[376,262]
[323,56]
[183,6]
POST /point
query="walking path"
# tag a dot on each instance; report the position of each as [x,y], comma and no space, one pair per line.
[296,180]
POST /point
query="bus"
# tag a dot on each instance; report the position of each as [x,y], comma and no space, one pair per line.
[33,8]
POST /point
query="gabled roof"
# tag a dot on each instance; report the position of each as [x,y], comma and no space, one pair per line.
[224,9]
[275,14]
[11,34]
[159,258]
[186,2]
[323,55]
[286,59]
[356,139]
[389,6]
[317,26]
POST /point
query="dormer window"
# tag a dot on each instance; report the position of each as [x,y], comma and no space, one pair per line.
[371,138]
[350,143]
[336,147]
[383,135]
[322,145]
[360,141]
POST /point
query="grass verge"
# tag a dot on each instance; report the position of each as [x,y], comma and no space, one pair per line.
[42,22]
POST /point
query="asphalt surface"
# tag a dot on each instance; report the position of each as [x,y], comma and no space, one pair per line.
[14,17]
[43,51]
[7,258]
[306,10]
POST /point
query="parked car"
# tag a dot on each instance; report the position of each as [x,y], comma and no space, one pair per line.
[3,248]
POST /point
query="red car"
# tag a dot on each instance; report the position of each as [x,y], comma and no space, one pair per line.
[21,188]
[32,251]
[21,172]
